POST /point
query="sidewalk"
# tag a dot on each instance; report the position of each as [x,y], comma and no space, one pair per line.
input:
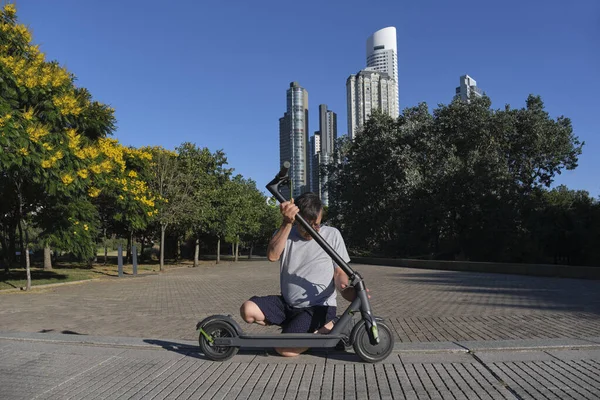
[458,336]
[43,366]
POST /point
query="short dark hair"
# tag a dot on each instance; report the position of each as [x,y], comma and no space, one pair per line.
[310,206]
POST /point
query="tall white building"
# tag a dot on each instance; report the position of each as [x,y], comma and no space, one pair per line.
[382,56]
[367,91]
[293,140]
[468,88]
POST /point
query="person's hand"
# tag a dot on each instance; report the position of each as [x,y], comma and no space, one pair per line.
[288,211]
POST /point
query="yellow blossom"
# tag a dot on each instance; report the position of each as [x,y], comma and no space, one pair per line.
[132,174]
[150,213]
[67,104]
[28,115]
[23,151]
[36,132]
[46,164]
[85,227]
[74,138]
[96,168]
[83,173]
[47,146]
[93,192]
[22,31]
[67,179]
[106,166]
[10,9]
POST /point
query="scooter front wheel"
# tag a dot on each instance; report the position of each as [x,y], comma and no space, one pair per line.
[217,329]
[367,351]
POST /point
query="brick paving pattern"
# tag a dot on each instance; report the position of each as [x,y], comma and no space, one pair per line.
[421,305]
[459,336]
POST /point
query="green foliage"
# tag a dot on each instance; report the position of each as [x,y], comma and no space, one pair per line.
[462,182]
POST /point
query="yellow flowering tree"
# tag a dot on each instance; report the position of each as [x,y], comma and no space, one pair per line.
[55,154]
[125,203]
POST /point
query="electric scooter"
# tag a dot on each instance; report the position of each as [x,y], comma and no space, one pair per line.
[221,336]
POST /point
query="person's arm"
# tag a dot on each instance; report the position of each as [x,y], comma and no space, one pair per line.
[341,281]
[341,284]
[277,243]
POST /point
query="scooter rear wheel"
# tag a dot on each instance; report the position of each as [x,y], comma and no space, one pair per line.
[217,329]
[369,352]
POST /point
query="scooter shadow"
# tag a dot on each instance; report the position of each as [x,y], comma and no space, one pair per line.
[194,352]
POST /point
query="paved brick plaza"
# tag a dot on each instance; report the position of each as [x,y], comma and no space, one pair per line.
[459,336]
[421,305]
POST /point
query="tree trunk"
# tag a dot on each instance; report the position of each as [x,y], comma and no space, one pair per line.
[163,228]
[105,242]
[196,252]
[232,249]
[237,249]
[178,250]
[142,248]
[47,258]
[5,259]
[218,250]
[250,252]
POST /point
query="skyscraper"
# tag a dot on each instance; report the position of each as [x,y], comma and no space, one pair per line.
[468,87]
[328,129]
[315,153]
[293,139]
[322,148]
[382,56]
[367,91]
[376,86]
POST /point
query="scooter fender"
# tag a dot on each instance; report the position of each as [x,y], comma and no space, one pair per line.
[225,318]
[360,325]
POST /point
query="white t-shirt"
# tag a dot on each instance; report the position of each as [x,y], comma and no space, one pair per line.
[307,270]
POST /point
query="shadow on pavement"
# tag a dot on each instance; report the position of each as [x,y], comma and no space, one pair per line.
[193,351]
[544,293]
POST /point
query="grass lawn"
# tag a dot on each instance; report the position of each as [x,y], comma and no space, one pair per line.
[69,272]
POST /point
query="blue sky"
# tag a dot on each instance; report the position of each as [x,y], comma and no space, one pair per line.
[215,72]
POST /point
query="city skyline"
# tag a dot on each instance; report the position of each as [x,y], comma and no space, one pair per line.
[152,65]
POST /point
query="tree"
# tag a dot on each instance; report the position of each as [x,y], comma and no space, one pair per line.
[205,172]
[54,147]
[169,182]
[460,182]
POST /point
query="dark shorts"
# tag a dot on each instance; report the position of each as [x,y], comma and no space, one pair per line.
[293,320]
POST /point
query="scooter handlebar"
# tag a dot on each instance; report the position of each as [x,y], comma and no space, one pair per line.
[273,187]
[284,170]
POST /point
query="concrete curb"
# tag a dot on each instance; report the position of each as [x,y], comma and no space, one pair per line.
[401,348]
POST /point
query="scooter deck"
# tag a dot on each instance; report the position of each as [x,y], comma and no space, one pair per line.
[281,340]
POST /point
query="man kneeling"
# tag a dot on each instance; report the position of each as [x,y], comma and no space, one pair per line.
[308,275]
